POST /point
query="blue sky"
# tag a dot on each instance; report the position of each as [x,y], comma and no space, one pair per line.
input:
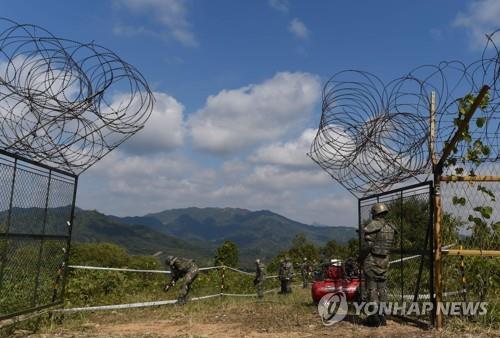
[238,88]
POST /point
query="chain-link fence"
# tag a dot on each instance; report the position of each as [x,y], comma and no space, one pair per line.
[410,275]
[36,210]
[471,221]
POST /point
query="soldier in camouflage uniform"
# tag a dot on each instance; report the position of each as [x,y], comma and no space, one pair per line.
[305,270]
[281,276]
[181,267]
[259,277]
[287,275]
[378,238]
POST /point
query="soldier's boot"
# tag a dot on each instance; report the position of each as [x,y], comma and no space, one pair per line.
[374,320]
[181,300]
[382,320]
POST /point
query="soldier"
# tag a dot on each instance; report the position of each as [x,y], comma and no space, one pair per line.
[259,277]
[378,238]
[305,270]
[181,267]
[350,268]
[288,275]
[281,276]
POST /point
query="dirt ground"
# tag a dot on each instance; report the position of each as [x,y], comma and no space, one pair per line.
[275,316]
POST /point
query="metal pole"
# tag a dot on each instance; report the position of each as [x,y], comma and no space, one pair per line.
[68,245]
[40,251]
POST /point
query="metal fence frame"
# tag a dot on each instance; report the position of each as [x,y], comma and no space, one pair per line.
[21,166]
[402,193]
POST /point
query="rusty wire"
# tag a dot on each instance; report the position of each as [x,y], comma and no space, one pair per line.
[66,103]
[374,135]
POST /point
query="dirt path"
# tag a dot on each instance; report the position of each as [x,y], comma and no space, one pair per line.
[166,328]
[276,316]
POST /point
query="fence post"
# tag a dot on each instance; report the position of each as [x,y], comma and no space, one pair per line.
[222,279]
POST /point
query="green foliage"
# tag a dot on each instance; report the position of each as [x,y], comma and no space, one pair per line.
[99,254]
[227,254]
[302,248]
[334,250]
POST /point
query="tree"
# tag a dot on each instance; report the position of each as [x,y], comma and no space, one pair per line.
[302,247]
[332,249]
[227,254]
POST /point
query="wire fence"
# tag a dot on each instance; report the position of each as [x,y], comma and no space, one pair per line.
[410,275]
[471,218]
[94,288]
[36,209]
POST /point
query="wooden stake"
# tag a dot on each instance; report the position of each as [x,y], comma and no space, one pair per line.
[438,292]
[471,252]
[432,129]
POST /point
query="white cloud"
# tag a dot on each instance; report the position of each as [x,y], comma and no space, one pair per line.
[299,29]
[171,14]
[279,178]
[480,18]
[239,118]
[163,131]
[280,5]
[124,184]
[291,153]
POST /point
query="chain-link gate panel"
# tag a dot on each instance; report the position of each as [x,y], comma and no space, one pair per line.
[471,221]
[410,274]
[36,211]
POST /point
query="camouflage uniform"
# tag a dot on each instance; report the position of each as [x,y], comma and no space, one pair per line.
[287,276]
[181,267]
[259,278]
[351,268]
[378,240]
[305,270]
[281,276]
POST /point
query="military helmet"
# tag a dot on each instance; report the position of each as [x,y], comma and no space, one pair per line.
[379,208]
[257,261]
[169,259]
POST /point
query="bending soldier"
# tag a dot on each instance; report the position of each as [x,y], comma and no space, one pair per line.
[181,267]
[259,277]
[378,238]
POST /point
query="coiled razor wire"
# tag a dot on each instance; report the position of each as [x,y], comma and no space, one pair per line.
[373,135]
[66,103]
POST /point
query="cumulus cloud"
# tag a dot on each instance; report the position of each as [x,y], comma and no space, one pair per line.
[279,178]
[171,14]
[163,131]
[281,6]
[238,118]
[480,18]
[299,29]
[291,153]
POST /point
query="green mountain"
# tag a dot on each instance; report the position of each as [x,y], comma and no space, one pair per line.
[257,233]
[92,226]
[189,232]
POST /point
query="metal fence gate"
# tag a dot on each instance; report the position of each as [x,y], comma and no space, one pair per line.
[410,275]
[37,205]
